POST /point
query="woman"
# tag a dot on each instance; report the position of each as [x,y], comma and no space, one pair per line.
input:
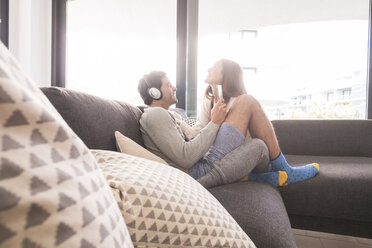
[253,122]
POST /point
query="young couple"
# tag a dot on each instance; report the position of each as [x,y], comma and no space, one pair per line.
[233,139]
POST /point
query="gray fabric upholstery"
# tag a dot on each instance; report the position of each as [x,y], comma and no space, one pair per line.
[330,225]
[338,199]
[325,137]
[258,208]
[95,119]
[341,191]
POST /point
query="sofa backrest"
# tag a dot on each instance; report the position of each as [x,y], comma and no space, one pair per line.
[95,119]
[325,137]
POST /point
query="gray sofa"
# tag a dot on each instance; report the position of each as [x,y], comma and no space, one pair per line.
[338,200]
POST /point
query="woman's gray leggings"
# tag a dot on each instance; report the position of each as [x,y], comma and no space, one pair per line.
[239,163]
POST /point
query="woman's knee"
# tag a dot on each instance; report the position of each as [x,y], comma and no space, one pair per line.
[261,147]
[260,144]
[247,101]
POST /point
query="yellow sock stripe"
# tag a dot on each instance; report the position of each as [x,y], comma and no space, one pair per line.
[282,178]
[244,179]
[316,165]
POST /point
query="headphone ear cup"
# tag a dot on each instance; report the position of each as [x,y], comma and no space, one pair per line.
[155,93]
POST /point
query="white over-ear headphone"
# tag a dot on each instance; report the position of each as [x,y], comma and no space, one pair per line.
[153,92]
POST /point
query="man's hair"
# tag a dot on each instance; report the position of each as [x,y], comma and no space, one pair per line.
[153,79]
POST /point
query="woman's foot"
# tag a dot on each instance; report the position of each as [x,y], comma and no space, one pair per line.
[295,174]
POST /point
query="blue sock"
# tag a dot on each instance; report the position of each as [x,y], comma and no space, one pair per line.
[295,174]
[275,178]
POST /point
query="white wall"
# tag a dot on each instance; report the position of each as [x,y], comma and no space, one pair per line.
[30,37]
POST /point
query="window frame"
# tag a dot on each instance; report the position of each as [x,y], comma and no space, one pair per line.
[59,18]
[4,25]
[369,67]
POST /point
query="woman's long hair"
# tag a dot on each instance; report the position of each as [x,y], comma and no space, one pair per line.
[232,81]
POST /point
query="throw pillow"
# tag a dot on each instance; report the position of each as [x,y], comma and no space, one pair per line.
[164,207]
[52,192]
[128,146]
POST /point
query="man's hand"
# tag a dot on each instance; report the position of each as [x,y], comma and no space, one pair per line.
[218,113]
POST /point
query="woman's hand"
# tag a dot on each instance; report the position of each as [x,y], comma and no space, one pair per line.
[218,112]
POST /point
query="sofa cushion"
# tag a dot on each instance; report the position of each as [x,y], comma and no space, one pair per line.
[259,210]
[94,119]
[128,146]
[325,137]
[164,207]
[341,190]
[52,193]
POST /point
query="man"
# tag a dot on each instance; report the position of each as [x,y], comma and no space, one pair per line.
[217,155]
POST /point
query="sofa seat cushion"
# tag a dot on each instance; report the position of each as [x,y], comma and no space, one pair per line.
[259,210]
[341,190]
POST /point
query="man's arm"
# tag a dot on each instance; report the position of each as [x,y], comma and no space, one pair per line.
[161,128]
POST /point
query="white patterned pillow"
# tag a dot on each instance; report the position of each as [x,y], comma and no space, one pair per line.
[52,193]
[164,207]
[128,146]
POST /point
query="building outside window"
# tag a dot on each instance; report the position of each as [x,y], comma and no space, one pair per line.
[330,96]
[346,94]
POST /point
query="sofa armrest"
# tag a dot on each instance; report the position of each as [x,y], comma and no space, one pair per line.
[325,137]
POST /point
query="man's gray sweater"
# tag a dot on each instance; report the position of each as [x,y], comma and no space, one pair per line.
[163,137]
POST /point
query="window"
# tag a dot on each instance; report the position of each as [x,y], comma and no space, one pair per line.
[304,60]
[112,44]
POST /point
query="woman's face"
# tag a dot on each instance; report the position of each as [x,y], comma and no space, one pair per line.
[215,76]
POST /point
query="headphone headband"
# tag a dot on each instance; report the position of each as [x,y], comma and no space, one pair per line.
[146,81]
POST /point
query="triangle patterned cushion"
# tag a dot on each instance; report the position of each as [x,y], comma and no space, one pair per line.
[52,193]
[164,207]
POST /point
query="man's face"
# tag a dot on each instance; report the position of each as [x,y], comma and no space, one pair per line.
[169,92]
